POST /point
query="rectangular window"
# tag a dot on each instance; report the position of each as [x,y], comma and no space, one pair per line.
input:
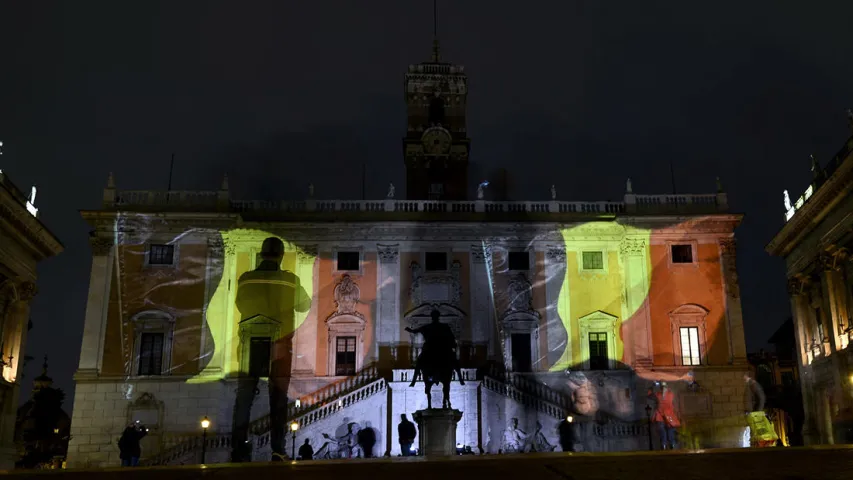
[519,261]
[598,351]
[151,354]
[345,356]
[682,253]
[690,346]
[593,260]
[521,354]
[348,261]
[435,261]
[161,254]
[259,357]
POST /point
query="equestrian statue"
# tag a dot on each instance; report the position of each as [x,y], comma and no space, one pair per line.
[437,360]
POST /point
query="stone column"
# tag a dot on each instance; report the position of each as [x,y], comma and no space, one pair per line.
[635,261]
[97,306]
[557,330]
[388,297]
[830,305]
[483,329]
[437,431]
[305,337]
[799,310]
[734,313]
[14,342]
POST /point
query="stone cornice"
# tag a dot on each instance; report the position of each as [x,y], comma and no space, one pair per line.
[28,227]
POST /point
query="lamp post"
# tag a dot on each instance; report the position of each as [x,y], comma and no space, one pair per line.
[205,424]
[293,428]
[649,417]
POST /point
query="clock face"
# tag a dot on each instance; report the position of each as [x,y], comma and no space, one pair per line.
[436,141]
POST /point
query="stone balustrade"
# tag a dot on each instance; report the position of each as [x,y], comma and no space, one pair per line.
[405,374]
[621,430]
[220,201]
[510,391]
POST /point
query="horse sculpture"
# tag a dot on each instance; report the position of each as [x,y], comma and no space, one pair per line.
[437,361]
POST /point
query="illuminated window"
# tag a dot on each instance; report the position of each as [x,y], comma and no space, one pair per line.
[519,261]
[259,357]
[593,260]
[151,354]
[348,261]
[435,261]
[690,346]
[161,254]
[345,356]
[598,351]
[682,253]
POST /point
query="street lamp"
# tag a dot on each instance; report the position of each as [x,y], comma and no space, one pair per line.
[649,417]
[293,428]
[205,424]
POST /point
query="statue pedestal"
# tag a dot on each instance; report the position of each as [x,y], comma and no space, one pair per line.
[437,431]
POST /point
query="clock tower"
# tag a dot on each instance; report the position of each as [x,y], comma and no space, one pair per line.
[436,144]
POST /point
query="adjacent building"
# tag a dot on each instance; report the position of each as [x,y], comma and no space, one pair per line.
[24,241]
[815,243]
[560,307]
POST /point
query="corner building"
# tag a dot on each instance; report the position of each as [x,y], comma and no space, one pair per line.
[815,243]
[559,308]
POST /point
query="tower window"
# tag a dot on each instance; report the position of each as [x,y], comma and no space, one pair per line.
[348,261]
[598,351]
[519,261]
[435,261]
[151,354]
[259,357]
[690,346]
[345,356]
[682,253]
[593,260]
[161,254]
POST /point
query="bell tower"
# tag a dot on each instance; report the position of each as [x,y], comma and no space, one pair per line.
[436,144]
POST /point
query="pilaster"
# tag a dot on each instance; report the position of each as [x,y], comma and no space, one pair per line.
[305,337]
[482,316]
[97,305]
[799,310]
[557,331]
[388,292]
[635,261]
[830,305]
[734,312]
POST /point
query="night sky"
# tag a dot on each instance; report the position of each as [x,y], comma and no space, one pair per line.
[279,94]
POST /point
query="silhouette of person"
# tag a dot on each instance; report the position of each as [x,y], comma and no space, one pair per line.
[366,439]
[407,432]
[306,452]
[128,445]
[567,433]
[274,294]
[439,344]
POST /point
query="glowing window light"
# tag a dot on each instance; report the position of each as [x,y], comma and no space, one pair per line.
[799,203]
[809,192]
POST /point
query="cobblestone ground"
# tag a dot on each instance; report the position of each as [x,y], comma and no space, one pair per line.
[824,463]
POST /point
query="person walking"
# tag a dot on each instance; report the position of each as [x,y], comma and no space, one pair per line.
[407,433]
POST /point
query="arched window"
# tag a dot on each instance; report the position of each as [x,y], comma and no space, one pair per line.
[689,345]
[152,346]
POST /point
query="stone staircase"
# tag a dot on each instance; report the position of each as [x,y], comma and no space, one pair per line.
[186,448]
[528,392]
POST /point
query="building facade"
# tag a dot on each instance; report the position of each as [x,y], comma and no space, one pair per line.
[815,243]
[559,308]
[24,241]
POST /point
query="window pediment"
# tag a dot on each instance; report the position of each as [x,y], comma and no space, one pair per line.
[689,309]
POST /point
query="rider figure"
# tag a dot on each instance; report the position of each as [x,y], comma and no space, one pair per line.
[438,340]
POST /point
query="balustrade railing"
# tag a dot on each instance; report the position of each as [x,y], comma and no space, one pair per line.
[335,394]
[621,429]
[528,399]
[207,200]
[405,374]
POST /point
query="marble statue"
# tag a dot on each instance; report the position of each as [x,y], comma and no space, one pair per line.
[310,190]
[515,439]
[628,187]
[553,192]
[539,442]
[391,191]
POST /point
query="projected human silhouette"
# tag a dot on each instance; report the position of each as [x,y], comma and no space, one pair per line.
[267,297]
[437,360]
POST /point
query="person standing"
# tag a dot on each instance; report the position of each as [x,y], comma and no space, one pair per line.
[306,451]
[665,416]
[568,434]
[761,433]
[128,445]
[407,432]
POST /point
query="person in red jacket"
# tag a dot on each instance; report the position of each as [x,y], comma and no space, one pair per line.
[665,417]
